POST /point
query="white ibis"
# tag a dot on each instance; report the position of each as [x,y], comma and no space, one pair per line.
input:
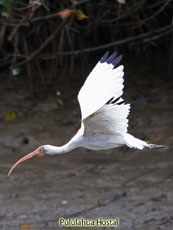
[104,114]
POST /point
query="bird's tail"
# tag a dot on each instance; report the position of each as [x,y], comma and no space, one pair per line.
[133,142]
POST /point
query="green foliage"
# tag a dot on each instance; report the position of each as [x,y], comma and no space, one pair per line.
[4,14]
[7,3]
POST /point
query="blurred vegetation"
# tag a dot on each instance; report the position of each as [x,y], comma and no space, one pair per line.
[47,36]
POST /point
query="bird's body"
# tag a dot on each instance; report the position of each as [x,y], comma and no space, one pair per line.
[104,113]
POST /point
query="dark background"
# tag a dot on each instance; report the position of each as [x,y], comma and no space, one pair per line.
[47,49]
[39,40]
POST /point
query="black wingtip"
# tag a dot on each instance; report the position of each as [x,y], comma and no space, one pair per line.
[111,59]
[114,101]
[109,101]
[120,103]
[117,60]
[103,59]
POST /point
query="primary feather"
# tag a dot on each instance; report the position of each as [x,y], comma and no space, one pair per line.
[103,83]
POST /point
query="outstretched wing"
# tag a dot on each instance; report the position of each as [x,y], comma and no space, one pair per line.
[111,119]
[103,83]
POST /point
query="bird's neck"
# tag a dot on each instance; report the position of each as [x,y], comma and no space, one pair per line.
[51,149]
[72,144]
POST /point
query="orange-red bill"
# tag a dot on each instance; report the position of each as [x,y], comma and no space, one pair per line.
[26,157]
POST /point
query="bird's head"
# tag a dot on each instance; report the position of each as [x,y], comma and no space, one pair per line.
[39,152]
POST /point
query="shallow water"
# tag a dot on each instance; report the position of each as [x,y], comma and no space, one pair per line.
[135,186]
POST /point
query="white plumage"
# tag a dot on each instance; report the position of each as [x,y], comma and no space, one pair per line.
[104,114]
[103,83]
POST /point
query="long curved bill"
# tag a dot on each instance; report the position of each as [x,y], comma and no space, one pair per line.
[26,157]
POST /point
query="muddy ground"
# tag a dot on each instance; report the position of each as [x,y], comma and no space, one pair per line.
[132,185]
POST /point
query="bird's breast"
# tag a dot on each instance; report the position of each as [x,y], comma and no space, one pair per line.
[102,141]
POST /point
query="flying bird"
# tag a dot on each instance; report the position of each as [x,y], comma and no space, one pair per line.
[104,113]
